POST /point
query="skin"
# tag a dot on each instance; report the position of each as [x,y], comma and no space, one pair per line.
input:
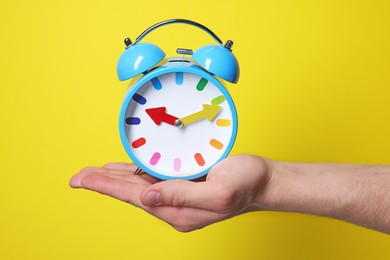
[358,194]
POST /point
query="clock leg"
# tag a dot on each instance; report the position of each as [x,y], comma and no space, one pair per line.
[138,171]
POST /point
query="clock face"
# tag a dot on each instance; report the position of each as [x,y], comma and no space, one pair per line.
[177,122]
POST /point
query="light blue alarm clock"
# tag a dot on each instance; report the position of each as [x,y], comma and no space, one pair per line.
[178,120]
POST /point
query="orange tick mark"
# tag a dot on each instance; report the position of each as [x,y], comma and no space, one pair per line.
[216,144]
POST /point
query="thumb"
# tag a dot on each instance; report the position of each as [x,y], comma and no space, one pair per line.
[179,193]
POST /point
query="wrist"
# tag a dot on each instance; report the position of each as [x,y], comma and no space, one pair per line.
[264,200]
[263,181]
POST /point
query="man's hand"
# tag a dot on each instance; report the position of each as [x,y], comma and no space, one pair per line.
[355,193]
[232,187]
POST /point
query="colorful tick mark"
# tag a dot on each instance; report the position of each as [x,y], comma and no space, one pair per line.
[138,143]
[177,164]
[223,122]
[199,159]
[133,121]
[139,99]
[156,83]
[216,144]
[155,158]
[179,78]
[201,84]
[218,100]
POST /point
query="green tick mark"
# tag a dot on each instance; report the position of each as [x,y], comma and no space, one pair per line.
[201,84]
[218,100]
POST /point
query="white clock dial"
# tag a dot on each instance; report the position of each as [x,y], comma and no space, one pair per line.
[179,124]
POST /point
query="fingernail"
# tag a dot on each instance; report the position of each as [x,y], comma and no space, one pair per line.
[152,198]
[74,182]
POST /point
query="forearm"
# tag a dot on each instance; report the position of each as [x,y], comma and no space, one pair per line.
[355,193]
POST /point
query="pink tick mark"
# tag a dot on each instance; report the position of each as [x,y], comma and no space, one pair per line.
[177,164]
[155,158]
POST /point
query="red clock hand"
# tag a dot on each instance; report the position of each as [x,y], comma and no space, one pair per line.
[159,115]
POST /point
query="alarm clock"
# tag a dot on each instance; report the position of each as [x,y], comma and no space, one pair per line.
[177,119]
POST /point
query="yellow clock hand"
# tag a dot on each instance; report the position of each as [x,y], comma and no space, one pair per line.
[208,111]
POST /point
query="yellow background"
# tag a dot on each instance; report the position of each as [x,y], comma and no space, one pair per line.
[314,86]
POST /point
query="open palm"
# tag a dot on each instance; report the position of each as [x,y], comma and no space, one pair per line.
[232,187]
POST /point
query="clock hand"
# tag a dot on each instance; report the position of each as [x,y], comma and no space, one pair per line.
[208,111]
[159,115]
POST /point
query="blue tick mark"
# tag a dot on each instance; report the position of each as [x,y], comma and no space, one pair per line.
[133,121]
[139,99]
[156,83]
[179,78]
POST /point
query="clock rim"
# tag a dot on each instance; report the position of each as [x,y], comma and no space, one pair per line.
[162,70]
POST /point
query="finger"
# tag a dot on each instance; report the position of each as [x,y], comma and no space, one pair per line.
[202,195]
[75,181]
[123,169]
[121,166]
[130,178]
[118,171]
[129,167]
[125,191]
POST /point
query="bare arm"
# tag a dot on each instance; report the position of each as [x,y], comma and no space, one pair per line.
[358,194]
[355,193]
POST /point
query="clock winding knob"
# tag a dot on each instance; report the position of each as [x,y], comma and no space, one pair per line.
[128,42]
[229,45]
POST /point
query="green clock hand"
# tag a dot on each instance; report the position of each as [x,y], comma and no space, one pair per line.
[208,111]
